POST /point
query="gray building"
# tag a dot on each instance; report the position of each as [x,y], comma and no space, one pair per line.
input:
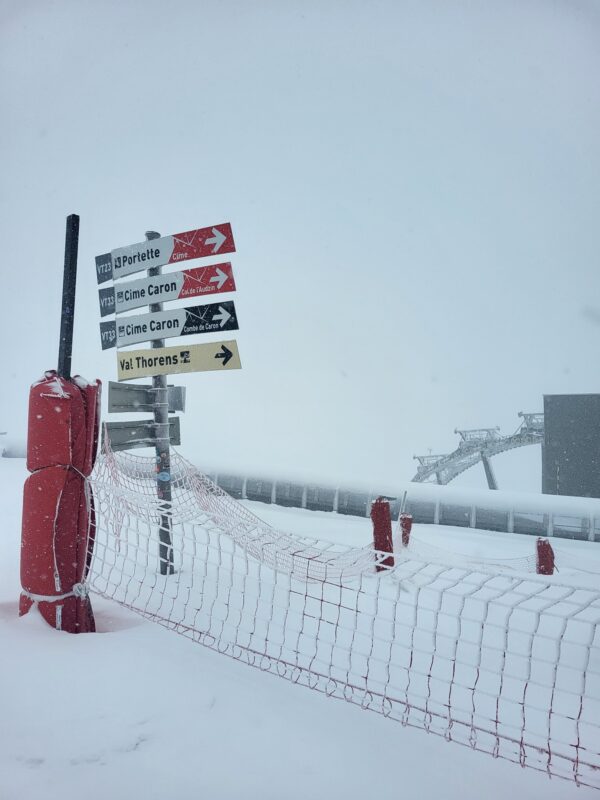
[571,449]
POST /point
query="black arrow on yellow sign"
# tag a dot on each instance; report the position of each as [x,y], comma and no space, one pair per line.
[225,354]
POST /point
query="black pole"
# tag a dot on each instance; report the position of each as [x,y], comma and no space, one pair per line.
[65,347]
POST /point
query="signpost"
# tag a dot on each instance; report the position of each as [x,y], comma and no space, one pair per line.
[154,327]
[218,278]
[159,251]
[172,360]
[133,397]
[211,318]
[129,435]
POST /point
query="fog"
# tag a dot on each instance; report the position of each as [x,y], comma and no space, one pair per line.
[413,189]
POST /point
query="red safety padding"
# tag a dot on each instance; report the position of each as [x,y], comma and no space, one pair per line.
[54,548]
[58,513]
[406,522]
[63,423]
[90,393]
[544,557]
[56,432]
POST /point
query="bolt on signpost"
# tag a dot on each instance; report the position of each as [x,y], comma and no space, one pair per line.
[163,451]
[159,361]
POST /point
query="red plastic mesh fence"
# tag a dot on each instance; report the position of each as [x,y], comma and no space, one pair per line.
[507,664]
[424,551]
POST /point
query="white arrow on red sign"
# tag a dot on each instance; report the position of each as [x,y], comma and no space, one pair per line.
[217,239]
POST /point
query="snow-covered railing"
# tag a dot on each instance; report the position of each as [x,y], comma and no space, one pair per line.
[510,512]
[507,664]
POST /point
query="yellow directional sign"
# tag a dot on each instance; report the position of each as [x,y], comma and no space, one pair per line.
[169,360]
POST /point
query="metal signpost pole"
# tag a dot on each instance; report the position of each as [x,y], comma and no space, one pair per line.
[163,454]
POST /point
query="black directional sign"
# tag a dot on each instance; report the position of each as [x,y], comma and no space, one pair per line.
[211,318]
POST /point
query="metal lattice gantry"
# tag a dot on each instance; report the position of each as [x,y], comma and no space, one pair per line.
[479,444]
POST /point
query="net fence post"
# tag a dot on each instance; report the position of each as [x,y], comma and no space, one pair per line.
[406,522]
[382,531]
[544,557]
[163,447]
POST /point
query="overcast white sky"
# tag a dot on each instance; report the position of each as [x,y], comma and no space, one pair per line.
[414,191]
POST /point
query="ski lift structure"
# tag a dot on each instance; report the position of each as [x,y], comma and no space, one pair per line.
[479,445]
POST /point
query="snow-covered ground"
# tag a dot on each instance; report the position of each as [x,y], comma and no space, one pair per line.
[137,711]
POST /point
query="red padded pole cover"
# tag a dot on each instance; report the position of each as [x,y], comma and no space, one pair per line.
[406,521]
[545,557]
[91,399]
[58,518]
[56,434]
[382,531]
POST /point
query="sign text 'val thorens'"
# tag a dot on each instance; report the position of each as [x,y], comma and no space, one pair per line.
[170,360]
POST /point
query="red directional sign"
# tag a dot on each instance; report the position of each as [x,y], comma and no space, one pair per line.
[218,278]
[200,243]
[207,280]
